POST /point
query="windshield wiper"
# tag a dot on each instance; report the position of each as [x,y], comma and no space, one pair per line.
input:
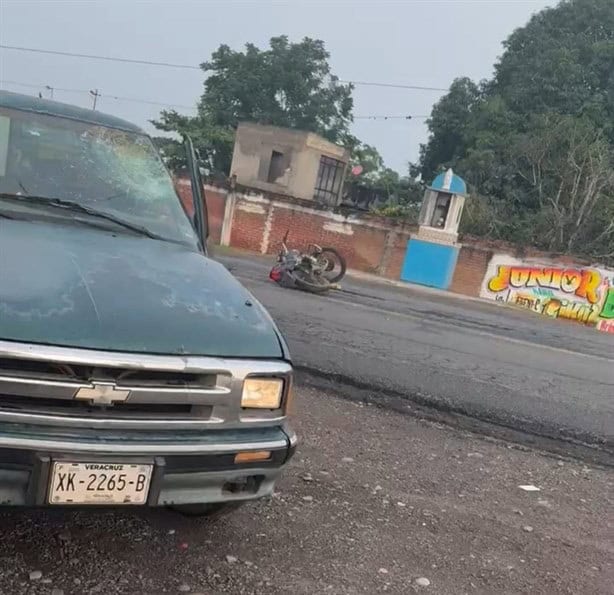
[75,207]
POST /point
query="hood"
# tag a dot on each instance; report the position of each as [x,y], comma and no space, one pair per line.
[75,286]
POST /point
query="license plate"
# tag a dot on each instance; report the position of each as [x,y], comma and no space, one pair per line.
[99,483]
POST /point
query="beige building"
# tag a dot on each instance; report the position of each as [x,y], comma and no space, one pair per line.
[291,162]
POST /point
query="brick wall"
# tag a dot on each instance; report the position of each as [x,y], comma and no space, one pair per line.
[216,202]
[361,245]
[368,248]
[258,221]
[183,188]
[470,270]
[475,255]
[368,244]
[398,249]
[248,225]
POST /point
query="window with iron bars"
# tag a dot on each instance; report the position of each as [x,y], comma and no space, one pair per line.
[328,182]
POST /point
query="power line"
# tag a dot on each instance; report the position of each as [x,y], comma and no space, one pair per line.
[169,105]
[42,86]
[192,67]
[104,95]
[395,86]
[148,102]
[389,117]
[95,57]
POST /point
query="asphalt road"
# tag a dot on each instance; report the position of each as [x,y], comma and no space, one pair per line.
[372,502]
[493,363]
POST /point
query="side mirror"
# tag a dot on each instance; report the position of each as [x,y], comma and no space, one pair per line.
[201,220]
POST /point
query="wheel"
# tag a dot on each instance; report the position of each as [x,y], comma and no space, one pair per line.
[309,282]
[333,263]
[210,510]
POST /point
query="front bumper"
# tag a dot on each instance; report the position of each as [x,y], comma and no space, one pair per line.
[194,467]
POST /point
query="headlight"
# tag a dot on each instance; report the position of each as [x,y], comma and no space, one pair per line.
[262,393]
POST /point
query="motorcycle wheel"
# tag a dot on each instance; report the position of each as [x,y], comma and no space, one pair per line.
[310,283]
[333,263]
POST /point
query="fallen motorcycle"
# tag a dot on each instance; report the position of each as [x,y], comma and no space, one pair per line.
[316,271]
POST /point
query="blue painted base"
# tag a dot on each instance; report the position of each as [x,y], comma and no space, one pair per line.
[427,263]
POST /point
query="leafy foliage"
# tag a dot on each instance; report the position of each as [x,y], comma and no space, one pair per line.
[382,185]
[536,143]
[288,84]
[409,212]
[450,127]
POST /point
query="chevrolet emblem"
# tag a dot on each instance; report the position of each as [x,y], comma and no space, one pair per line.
[102,393]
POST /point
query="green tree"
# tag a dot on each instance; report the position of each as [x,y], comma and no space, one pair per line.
[562,61]
[366,157]
[213,143]
[288,84]
[565,167]
[449,127]
[385,183]
[536,141]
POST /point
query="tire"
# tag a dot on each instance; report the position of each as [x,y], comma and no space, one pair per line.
[310,283]
[213,510]
[331,272]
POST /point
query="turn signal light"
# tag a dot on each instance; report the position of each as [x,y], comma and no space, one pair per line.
[252,456]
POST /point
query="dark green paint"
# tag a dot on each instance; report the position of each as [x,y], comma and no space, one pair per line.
[71,285]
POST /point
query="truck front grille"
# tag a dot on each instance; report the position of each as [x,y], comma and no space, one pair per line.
[35,405]
[82,388]
[62,372]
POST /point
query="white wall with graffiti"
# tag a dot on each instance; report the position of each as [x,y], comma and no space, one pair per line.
[581,294]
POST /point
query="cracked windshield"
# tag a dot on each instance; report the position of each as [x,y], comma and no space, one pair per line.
[303,297]
[102,168]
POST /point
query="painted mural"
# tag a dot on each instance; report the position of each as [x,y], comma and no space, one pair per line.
[583,295]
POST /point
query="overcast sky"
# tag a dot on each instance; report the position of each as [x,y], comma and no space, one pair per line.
[426,43]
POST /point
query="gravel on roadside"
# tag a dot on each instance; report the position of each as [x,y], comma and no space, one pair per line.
[374,501]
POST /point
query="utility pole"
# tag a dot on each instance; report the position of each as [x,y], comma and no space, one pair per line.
[94,93]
